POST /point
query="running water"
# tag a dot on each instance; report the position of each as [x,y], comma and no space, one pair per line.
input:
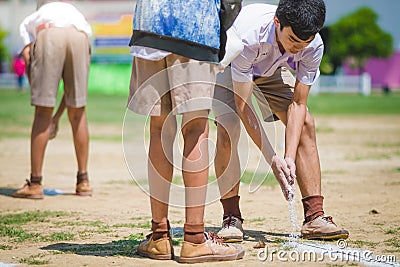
[294,233]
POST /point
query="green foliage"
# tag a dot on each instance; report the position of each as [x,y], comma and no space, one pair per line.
[358,36]
[3,48]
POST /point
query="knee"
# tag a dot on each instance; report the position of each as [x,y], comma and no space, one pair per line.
[75,115]
[195,128]
[228,132]
[43,113]
[164,128]
[309,126]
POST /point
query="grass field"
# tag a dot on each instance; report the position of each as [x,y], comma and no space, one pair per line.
[15,108]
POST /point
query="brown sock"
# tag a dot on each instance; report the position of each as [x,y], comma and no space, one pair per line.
[36,179]
[231,207]
[313,207]
[160,229]
[82,177]
[194,233]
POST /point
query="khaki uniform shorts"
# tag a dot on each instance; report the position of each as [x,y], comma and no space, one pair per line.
[273,94]
[59,53]
[174,84]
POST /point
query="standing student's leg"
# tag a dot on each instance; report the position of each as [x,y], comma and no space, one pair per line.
[45,74]
[151,97]
[39,138]
[227,164]
[195,172]
[227,169]
[80,133]
[75,76]
[160,170]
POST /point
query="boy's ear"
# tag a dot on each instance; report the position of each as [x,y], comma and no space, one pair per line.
[276,22]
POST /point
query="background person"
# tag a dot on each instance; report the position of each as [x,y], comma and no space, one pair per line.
[19,69]
[56,47]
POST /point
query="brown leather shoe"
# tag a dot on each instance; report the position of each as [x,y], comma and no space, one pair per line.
[160,249]
[82,185]
[30,190]
[212,250]
[323,227]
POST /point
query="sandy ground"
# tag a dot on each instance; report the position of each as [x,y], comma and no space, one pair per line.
[360,160]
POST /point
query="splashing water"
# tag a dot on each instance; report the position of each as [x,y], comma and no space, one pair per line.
[293,236]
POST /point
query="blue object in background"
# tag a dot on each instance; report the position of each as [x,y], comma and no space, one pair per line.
[52,192]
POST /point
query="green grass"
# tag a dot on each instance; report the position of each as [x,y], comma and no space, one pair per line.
[30,216]
[5,247]
[393,231]
[362,243]
[110,78]
[144,225]
[354,104]
[17,233]
[258,219]
[11,226]
[35,260]
[107,108]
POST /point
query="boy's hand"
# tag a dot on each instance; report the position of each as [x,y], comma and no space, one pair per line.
[282,174]
[292,167]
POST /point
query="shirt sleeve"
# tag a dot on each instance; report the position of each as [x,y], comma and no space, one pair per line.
[242,65]
[26,36]
[308,67]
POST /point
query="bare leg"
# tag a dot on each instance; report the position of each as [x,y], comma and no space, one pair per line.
[308,168]
[80,132]
[160,166]
[227,164]
[39,138]
[195,164]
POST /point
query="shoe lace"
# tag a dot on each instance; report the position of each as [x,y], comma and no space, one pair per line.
[328,219]
[28,182]
[215,239]
[230,221]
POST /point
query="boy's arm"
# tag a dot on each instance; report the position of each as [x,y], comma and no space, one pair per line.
[60,110]
[296,116]
[246,112]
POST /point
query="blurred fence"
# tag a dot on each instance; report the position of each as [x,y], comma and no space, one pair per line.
[8,80]
[343,84]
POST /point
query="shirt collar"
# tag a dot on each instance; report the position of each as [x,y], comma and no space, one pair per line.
[271,39]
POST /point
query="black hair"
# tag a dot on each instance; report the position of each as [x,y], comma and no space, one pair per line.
[306,17]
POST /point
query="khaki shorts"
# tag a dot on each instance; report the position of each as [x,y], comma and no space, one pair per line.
[174,84]
[273,94]
[59,53]
[224,101]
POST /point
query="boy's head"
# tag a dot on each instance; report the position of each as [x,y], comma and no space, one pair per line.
[305,17]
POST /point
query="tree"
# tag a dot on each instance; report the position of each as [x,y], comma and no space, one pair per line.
[3,48]
[358,36]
